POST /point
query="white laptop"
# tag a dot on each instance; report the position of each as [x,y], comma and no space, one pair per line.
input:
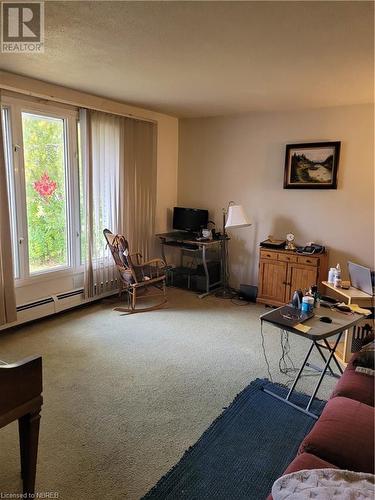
[360,277]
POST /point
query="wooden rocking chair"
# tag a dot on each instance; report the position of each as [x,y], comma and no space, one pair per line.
[136,276]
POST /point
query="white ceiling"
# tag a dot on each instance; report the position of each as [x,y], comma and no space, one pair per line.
[209,58]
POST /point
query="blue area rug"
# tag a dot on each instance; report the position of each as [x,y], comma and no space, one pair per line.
[243,451]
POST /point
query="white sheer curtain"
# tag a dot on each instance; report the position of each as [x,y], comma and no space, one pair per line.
[119,165]
[100,134]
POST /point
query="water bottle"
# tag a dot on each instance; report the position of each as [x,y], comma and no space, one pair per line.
[337,280]
[307,304]
[331,275]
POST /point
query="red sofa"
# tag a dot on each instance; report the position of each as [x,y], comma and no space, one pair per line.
[343,437]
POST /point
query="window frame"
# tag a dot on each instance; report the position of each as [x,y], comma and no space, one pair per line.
[15,107]
[8,150]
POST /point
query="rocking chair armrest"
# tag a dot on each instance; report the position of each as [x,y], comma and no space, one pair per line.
[139,257]
[154,261]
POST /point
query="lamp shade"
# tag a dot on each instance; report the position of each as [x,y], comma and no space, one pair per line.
[237,217]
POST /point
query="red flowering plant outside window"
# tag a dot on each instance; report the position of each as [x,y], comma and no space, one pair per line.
[45,186]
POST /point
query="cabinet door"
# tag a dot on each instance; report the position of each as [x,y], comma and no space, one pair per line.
[300,276]
[272,280]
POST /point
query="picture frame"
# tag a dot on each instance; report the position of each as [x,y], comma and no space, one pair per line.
[312,165]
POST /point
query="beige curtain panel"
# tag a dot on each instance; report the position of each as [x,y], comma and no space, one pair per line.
[119,167]
[8,312]
[138,184]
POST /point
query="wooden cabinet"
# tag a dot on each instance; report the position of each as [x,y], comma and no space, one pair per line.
[272,279]
[281,272]
[300,276]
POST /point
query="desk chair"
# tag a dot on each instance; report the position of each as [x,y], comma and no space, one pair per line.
[21,399]
[136,275]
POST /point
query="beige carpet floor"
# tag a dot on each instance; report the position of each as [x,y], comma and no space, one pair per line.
[126,395]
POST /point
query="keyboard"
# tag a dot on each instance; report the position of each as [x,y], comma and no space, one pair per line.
[189,246]
[180,235]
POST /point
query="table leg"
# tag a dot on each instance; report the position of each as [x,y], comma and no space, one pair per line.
[206,269]
[324,359]
[207,275]
[300,371]
[334,357]
[331,354]
[28,426]
[305,363]
[22,437]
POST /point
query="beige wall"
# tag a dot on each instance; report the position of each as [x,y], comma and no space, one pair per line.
[241,158]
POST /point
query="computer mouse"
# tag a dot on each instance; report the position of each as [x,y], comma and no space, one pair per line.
[326,319]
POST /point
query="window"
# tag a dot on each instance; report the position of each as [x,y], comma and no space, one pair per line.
[44,151]
[41,158]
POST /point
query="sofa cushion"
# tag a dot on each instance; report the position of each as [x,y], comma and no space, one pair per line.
[307,461]
[353,385]
[344,435]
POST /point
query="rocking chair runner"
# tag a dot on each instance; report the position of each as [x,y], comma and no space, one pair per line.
[136,276]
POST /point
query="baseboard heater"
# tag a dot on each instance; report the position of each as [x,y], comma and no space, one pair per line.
[49,300]
[53,304]
[33,305]
[72,293]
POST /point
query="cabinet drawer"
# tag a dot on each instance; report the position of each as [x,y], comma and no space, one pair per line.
[310,261]
[268,255]
[287,258]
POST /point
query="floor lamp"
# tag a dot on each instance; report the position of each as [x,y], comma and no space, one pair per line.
[233,217]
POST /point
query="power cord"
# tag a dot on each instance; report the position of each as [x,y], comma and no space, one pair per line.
[237,300]
[285,350]
[285,357]
[264,351]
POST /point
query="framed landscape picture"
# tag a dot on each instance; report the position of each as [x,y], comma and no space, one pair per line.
[311,166]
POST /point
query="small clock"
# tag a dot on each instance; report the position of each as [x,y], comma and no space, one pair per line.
[290,239]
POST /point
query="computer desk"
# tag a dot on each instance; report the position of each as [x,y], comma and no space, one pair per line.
[193,245]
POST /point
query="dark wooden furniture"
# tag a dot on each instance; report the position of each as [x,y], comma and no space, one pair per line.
[21,399]
[283,271]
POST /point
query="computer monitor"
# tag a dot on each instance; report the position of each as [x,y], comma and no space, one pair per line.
[189,219]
